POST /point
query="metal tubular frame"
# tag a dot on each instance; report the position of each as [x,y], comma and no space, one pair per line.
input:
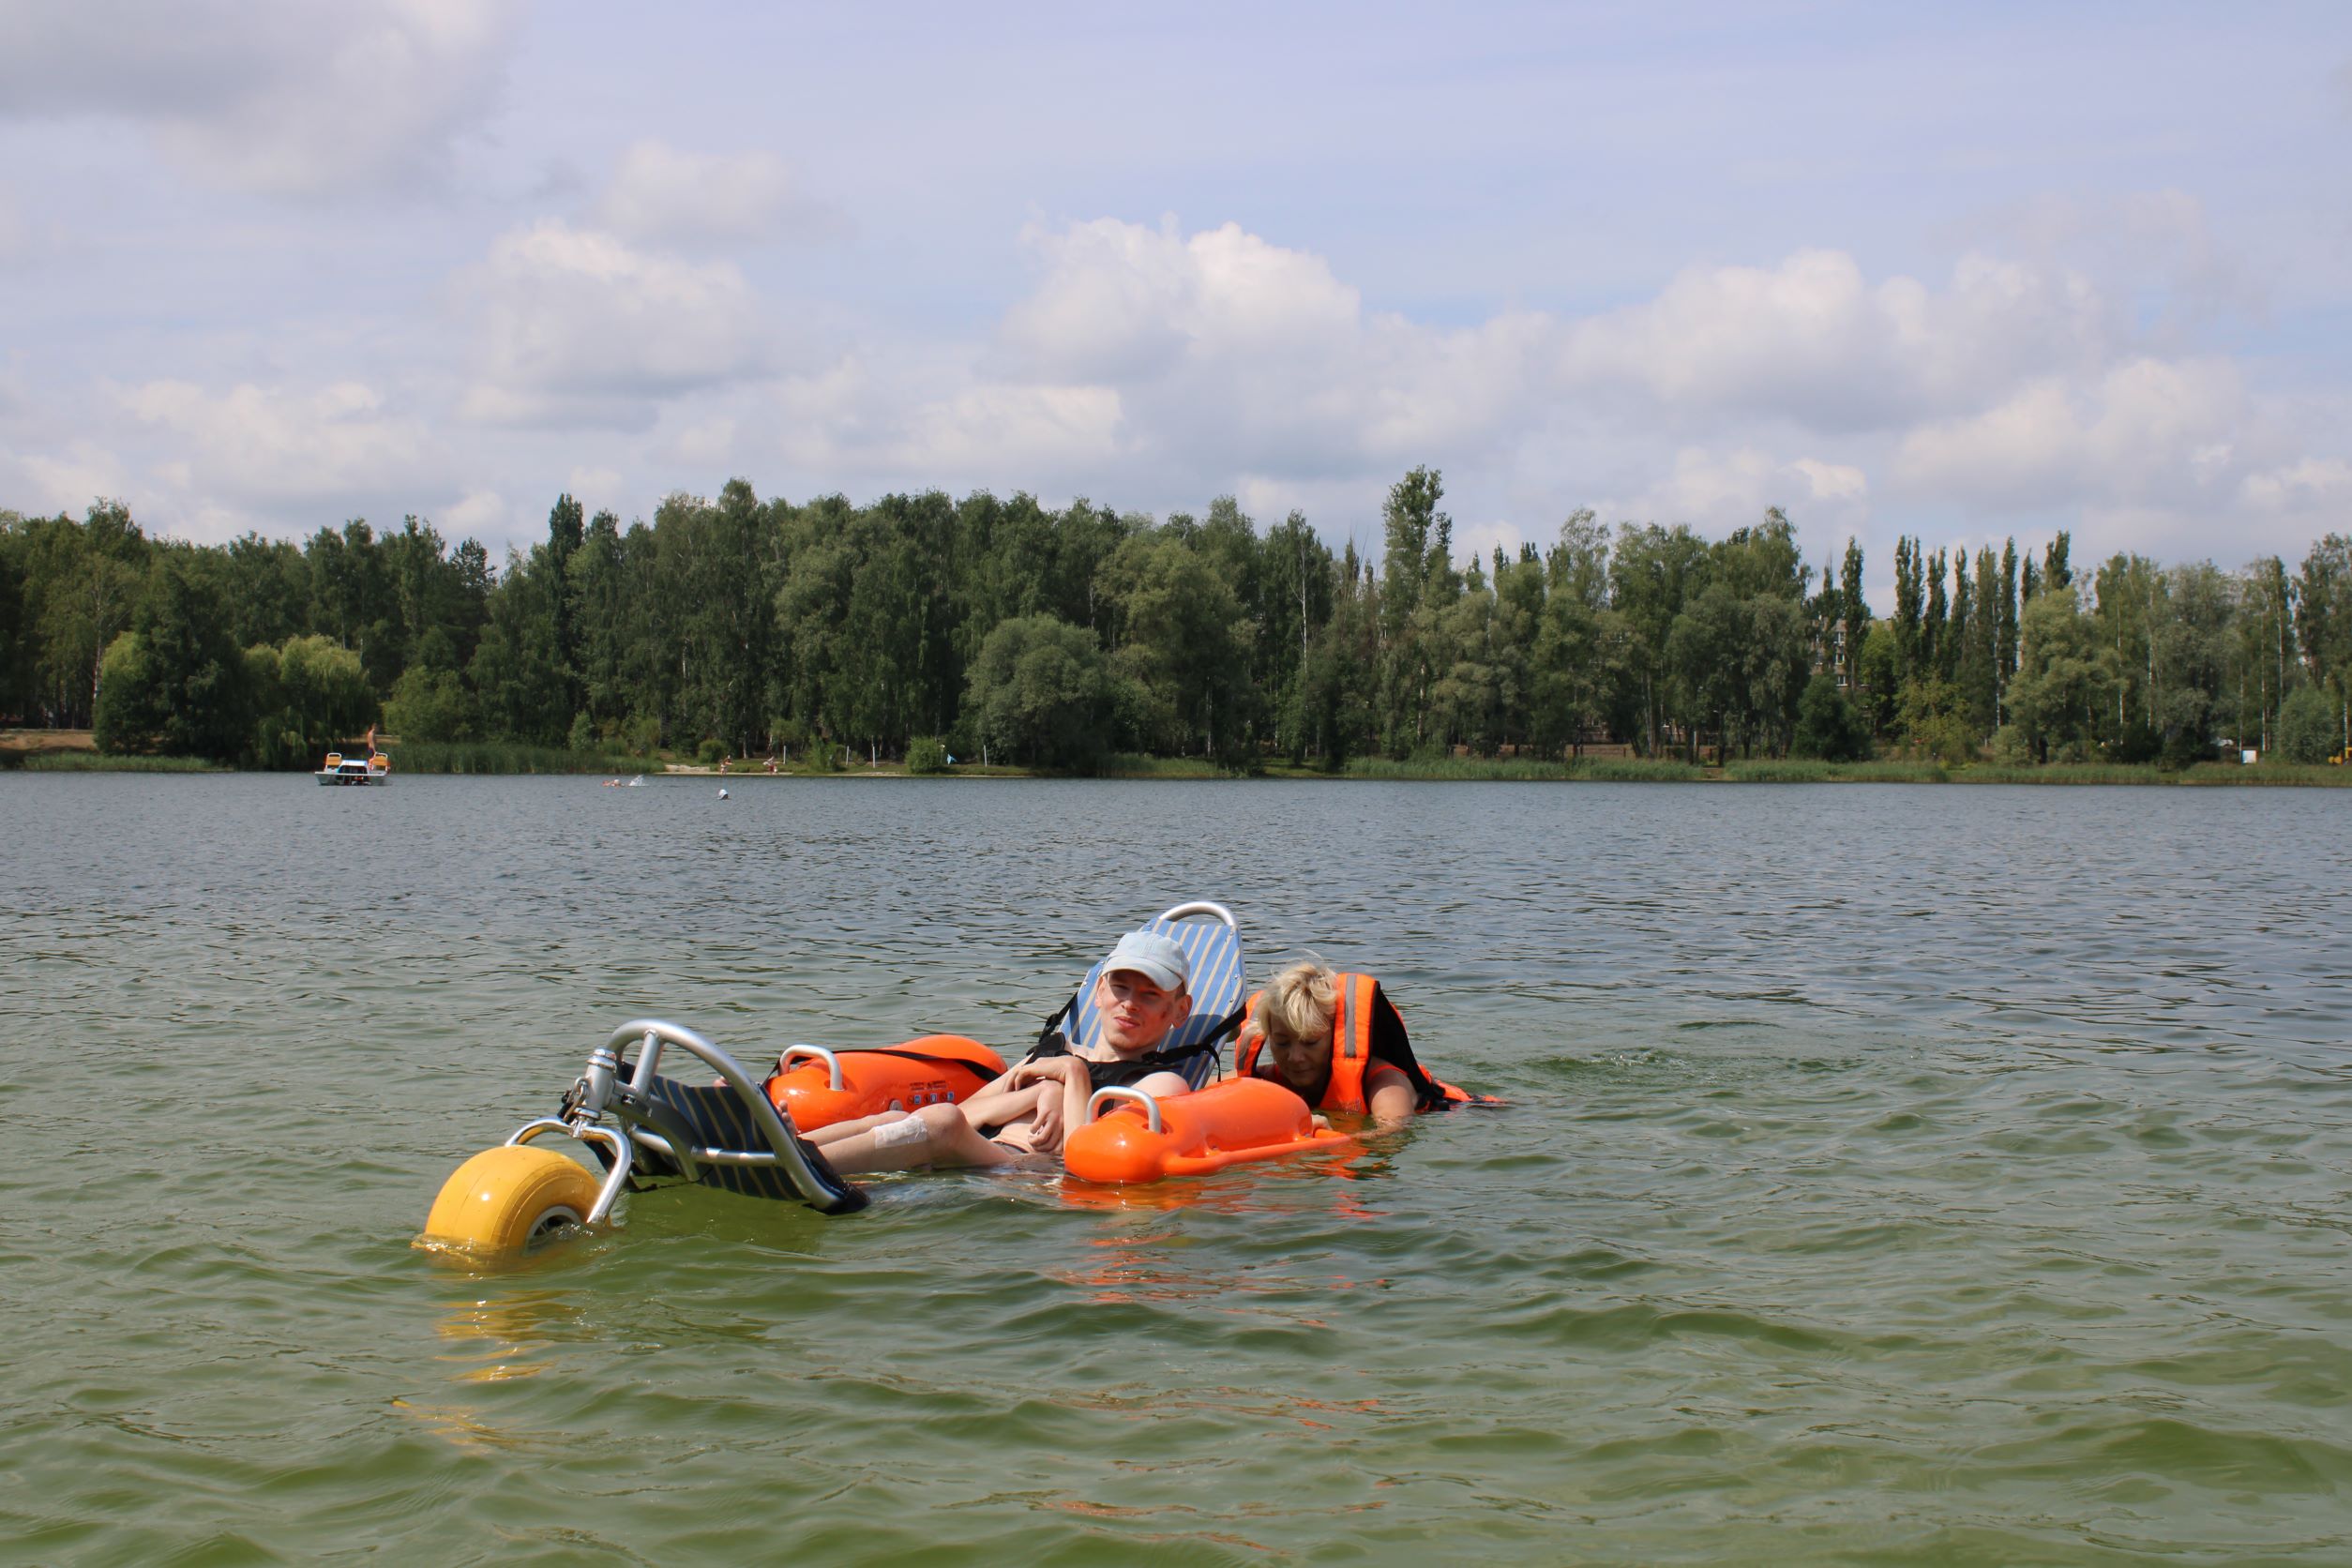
[585,1119]
[1202,906]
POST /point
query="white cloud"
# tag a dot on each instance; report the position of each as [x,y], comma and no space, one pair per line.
[1148,359]
[1715,490]
[270,446]
[575,328]
[891,420]
[479,514]
[2147,244]
[663,196]
[595,489]
[1225,349]
[707,443]
[66,480]
[2145,430]
[1120,302]
[285,96]
[1813,343]
[2312,483]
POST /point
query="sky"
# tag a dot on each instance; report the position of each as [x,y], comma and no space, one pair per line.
[1964,273]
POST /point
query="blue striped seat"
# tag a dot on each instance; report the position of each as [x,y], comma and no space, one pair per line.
[1215,951]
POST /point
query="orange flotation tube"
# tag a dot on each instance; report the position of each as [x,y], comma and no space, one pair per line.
[817,1087]
[1137,1138]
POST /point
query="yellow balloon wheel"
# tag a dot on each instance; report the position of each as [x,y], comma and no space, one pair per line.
[507,1198]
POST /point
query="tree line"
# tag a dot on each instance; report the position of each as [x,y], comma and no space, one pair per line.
[1053,637]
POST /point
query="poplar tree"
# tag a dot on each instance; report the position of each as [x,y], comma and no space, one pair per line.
[2055,571]
[1933,659]
[1980,669]
[2005,656]
[1417,557]
[1958,630]
[1908,627]
[1852,609]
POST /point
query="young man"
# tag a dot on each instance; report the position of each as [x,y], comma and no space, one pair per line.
[1142,996]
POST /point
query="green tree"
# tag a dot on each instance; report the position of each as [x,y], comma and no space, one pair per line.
[1935,651]
[1853,612]
[519,684]
[2006,662]
[1652,572]
[1417,583]
[81,583]
[1179,647]
[1297,577]
[1880,683]
[428,706]
[2267,658]
[1929,712]
[1980,654]
[183,687]
[2307,726]
[2323,614]
[1910,621]
[309,695]
[2061,683]
[1829,726]
[2198,609]
[1039,693]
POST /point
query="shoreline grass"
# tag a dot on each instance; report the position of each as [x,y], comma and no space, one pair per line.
[501,756]
[492,758]
[1598,770]
[101,762]
[1136,764]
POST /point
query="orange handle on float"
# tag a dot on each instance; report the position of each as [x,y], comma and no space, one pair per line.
[1143,1138]
[817,1087]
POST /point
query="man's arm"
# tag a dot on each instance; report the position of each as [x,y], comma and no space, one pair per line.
[1056,1114]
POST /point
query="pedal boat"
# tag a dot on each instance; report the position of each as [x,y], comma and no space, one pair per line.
[374,768]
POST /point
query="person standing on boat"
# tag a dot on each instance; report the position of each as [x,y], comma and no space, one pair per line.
[1142,996]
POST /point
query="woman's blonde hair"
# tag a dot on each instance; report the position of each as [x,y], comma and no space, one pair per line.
[1299,1004]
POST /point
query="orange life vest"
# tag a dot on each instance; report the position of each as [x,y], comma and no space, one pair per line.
[1352,1056]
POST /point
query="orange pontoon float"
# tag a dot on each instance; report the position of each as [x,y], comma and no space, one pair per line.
[817,1087]
[1142,1138]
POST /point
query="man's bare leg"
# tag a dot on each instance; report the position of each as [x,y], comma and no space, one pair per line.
[982,1110]
[934,1135]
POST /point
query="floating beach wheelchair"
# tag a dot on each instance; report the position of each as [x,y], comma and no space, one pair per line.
[742,1134]
[644,1127]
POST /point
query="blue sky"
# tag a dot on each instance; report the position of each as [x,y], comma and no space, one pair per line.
[269,265]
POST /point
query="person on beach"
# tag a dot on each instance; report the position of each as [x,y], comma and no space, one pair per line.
[1142,996]
[1339,1042]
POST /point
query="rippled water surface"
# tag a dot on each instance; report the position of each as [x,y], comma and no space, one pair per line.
[1892,1174]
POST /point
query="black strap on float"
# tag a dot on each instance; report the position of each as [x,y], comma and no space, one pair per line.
[1052,1042]
[974,1068]
[1052,1032]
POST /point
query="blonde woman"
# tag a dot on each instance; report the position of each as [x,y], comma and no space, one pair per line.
[1337,1042]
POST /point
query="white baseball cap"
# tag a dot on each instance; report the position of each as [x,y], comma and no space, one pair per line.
[1150,955]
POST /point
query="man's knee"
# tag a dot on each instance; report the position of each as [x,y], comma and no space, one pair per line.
[943,1124]
[1165,1085]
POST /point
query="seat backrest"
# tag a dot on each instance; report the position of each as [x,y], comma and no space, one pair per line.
[1208,936]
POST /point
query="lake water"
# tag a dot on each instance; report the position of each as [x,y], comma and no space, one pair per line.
[1892,1174]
